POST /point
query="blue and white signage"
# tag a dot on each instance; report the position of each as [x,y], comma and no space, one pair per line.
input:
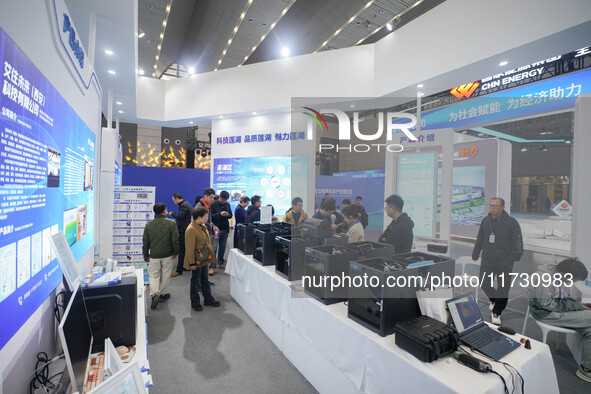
[545,96]
[46,185]
[70,42]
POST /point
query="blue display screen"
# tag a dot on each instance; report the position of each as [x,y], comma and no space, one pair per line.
[272,178]
[46,185]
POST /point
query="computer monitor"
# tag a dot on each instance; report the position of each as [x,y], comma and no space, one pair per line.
[66,260]
[76,337]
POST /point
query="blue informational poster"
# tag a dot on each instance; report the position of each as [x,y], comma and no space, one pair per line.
[271,177]
[468,200]
[46,185]
[416,186]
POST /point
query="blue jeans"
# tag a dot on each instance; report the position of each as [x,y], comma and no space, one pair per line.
[222,240]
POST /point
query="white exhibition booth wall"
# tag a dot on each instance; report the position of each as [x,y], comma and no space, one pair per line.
[257,155]
[31,25]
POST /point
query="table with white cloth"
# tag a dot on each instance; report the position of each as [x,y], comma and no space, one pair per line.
[337,354]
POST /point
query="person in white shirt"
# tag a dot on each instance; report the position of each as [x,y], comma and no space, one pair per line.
[355,230]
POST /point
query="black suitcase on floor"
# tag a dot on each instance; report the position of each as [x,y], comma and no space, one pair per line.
[426,338]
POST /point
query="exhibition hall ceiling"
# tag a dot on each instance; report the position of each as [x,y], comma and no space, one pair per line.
[196,36]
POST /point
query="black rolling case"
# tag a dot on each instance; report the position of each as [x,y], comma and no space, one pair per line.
[426,338]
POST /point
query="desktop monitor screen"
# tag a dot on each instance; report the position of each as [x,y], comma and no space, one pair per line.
[76,337]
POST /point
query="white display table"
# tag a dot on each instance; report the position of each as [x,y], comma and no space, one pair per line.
[337,354]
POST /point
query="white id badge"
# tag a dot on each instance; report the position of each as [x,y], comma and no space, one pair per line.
[491,238]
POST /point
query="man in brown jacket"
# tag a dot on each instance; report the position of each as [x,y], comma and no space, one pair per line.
[197,243]
[161,248]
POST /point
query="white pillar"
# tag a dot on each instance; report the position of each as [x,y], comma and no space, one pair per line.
[581,182]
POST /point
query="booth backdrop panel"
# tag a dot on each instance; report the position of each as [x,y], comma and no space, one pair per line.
[341,187]
[186,181]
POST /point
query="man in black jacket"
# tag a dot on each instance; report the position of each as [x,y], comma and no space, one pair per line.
[183,219]
[221,213]
[499,239]
[399,232]
[253,213]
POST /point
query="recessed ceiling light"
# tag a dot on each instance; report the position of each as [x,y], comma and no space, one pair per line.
[112,72]
[503,63]
[352,105]
[141,71]
[108,52]
[568,142]
[120,111]
[221,116]
[284,51]
[141,33]
[191,122]
[191,70]
[389,26]
[119,103]
[254,113]
[524,149]
[420,85]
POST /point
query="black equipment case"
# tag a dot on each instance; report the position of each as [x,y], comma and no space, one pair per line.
[426,338]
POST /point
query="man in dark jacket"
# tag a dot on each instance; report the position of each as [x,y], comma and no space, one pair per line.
[183,219]
[553,305]
[206,201]
[221,213]
[328,211]
[399,231]
[240,216]
[363,216]
[160,249]
[253,213]
[499,239]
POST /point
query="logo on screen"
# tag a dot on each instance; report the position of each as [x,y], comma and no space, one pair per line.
[464,90]
[396,122]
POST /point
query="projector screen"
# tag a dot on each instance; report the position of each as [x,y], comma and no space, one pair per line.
[46,185]
[271,177]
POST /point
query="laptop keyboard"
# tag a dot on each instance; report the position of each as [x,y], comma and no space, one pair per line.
[482,337]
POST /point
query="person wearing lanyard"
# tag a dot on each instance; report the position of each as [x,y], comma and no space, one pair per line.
[355,230]
[500,241]
[550,302]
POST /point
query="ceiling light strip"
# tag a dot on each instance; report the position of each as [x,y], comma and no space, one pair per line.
[340,29]
[267,32]
[390,21]
[159,47]
[233,34]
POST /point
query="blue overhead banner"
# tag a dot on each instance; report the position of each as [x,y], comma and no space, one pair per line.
[545,96]
[46,186]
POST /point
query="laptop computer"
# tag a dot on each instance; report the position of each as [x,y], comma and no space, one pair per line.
[474,332]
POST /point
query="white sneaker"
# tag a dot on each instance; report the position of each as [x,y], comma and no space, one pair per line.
[491,306]
[584,373]
[495,319]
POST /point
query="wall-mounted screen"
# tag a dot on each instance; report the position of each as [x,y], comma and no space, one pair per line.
[416,185]
[269,177]
[46,185]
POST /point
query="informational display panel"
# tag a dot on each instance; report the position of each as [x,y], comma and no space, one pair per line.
[269,177]
[46,185]
[416,186]
[133,207]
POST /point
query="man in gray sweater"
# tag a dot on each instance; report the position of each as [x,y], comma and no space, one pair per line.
[553,305]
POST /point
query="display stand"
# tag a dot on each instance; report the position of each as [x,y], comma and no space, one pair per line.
[336,354]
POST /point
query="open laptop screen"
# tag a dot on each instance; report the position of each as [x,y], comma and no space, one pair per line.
[464,312]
